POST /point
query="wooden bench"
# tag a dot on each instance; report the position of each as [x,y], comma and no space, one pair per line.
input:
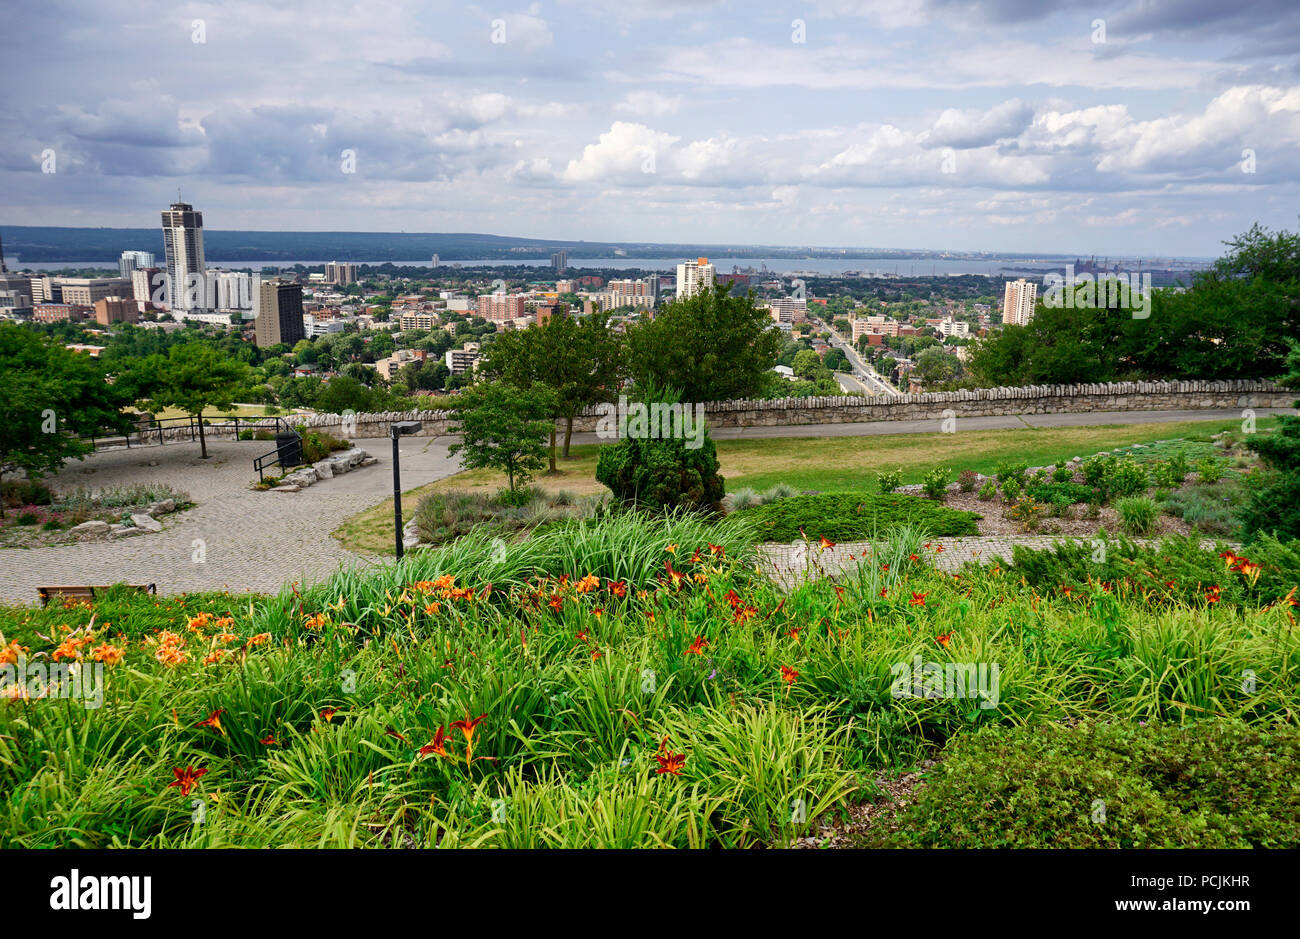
[87,593]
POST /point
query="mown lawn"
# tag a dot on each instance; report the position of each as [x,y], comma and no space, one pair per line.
[819,463]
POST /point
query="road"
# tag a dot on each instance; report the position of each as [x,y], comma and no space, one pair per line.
[867,377]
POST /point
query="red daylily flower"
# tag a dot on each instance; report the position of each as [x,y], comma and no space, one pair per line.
[185,778]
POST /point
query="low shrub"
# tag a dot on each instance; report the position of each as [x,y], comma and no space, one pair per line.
[1126,477]
[743,499]
[935,482]
[25,492]
[1210,469]
[987,491]
[889,480]
[847,516]
[1027,513]
[1137,514]
[1167,475]
[1216,784]
[967,480]
[1012,486]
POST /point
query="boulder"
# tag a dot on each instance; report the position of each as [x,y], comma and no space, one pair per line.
[323,469]
[92,527]
[145,522]
[287,488]
[125,531]
[162,507]
[355,456]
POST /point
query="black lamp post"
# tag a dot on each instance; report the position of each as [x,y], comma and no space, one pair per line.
[399,429]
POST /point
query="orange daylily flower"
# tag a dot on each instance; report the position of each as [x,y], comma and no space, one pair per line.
[697,647]
[716,550]
[269,741]
[825,543]
[327,714]
[316,622]
[109,655]
[587,584]
[675,576]
[617,587]
[918,599]
[944,639]
[467,727]
[213,720]
[789,674]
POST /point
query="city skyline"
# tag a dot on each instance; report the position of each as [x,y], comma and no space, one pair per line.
[1109,128]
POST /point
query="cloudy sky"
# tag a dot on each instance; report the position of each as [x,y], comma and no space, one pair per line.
[1156,127]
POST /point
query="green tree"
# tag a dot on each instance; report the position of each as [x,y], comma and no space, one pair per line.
[504,427]
[193,377]
[579,359]
[54,400]
[1274,508]
[710,347]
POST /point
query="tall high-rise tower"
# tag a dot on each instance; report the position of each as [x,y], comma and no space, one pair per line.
[1018,302]
[183,239]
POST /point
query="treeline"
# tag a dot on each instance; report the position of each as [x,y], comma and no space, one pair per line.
[1235,321]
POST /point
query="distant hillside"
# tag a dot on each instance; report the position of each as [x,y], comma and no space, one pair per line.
[99,245]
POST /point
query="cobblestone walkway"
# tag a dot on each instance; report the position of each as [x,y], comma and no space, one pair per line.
[248,540]
[790,563]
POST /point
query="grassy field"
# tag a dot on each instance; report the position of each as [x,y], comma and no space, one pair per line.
[238,410]
[635,683]
[818,463]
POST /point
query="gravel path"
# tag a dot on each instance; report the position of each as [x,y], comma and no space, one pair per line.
[790,563]
[246,540]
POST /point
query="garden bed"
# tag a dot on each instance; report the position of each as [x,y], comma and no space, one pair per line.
[51,518]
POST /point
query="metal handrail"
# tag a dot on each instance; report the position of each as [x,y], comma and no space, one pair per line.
[144,429]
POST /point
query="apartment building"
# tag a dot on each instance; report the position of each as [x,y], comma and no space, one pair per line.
[419,319]
[500,306]
[788,310]
[694,277]
[1018,302]
[279,314]
[390,366]
[341,273]
[460,361]
[60,312]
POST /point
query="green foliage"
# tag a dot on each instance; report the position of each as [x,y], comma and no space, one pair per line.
[1210,469]
[503,428]
[1012,487]
[889,480]
[1126,477]
[1028,513]
[1110,785]
[935,482]
[662,473]
[54,400]
[1069,492]
[1233,323]
[710,347]
[988,490]
[317,444]
[192,377]
[1137,514]
[844,516]
[579,359]
[967,480]
[1168,474]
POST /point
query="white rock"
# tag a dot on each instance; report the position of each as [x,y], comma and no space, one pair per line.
[125,532]
[323,469]
[287,488]
[92,527]
[146,522]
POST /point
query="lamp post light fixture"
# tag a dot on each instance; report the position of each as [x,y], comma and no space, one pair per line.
[399,429]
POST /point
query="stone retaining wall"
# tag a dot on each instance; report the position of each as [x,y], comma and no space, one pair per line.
[984,402]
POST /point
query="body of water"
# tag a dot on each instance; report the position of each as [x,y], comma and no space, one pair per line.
[880,267]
